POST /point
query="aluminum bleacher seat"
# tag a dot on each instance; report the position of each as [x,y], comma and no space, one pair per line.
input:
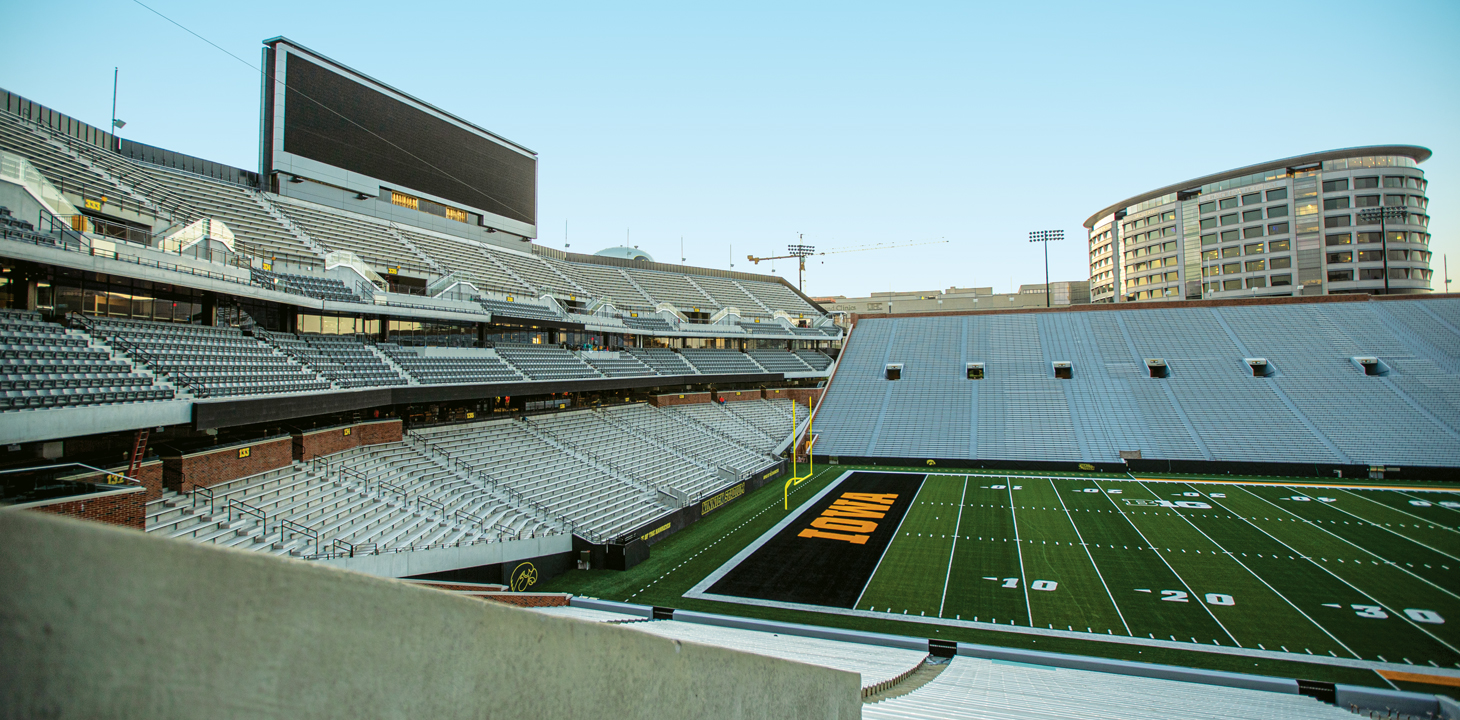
[467,258]
[672,288]
[545,362]
[431,370]
[528,309]
[625,365]
[729,293]
[307,285]
[728,424]
[44,365]
[648,323]
[708,443]
[345,359]
[655,464]
[815,359]
[215,361]
[372,240]
[609,282]
[779,361]
[663,361]
[721,362]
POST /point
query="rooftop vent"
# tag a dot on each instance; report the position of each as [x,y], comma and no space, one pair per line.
[1064,370]
[1260,367]
[1157,368]
[1371,365]
[975,371]
[894,371]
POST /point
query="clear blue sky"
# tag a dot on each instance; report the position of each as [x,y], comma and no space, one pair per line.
[744,124]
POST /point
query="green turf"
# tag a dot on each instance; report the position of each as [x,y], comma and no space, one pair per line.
[1272,593]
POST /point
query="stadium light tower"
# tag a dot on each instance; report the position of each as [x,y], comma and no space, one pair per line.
[800,251]
[1046,237]
[1383,215]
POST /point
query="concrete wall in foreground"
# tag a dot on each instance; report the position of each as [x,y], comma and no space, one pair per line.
[103,622]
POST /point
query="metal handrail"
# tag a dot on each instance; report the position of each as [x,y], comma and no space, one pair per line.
[246,509]
[287,525]
[194,386]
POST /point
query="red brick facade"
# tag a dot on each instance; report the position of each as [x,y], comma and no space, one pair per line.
[526,599]
[328,441]
[679,399]
[207,468]
[807,396]
[150,475]
[737,395]
[460,586]
[125,507]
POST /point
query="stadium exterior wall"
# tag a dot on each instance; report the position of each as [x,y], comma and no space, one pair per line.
[187,471]
[313,443]
[669,399]
[302,641]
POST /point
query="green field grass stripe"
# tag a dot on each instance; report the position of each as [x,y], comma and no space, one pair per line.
[1179,579]
[1374,515]
[1396,547]
[1384,511]
[1259,578]
[1304,533]
[896,536]
[1085,546]
[957,525]
[1435,511]
[1019,549]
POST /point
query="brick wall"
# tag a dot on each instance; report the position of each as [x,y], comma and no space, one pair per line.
[207,468]
[738,395]
[314,443]
[125,507]
[679,399]
[807,396]
[527,599]
[150,475]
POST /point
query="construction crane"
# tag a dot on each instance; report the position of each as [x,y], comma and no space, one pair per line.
[801,252]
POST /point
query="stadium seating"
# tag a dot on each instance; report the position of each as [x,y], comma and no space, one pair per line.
[721,362]
[972,688]
[669,288]
[648,323]
[1209,405]
[623,365]
[721,421]
[663,361]
[815,359]
[520,309]
[308,285]
[779,361]
[688,438]
[12,227]
[770,417]
[656,465]
[729,293]
[545,362]
[468,258]
[346,360]
[443,370]
[536,273]
[548,476]
[612,283]
[373,240]
[216,361]
[44,365]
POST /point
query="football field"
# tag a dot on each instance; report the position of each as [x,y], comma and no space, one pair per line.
[1362,574]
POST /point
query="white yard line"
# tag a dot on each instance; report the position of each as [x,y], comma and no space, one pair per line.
[1316,564]
[1315,524]
[1093,564]
[1023,582]
[1442,507]
[1426,521]
[1189,591]
[1259,579]
[890,542]
[954,549]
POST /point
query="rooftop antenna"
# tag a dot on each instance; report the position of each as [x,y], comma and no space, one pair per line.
[116,124]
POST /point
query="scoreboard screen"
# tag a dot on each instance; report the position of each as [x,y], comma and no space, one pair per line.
[335,117]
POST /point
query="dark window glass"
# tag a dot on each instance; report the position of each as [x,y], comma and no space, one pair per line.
[1252,198]
[1371,274]
[1369,237]
[1400,255]
[1233,251]
[1252,232]
[1278,194]
[1277,246]
[1366,201]
[1394,181]
[1209,255]
[1253,249]
[1208,223]
[1228,203]
[1337,221]
[1281,280]
[1230,235]
[1229,219]
[1255,265]
[1252,215]
[1278,263]
[1207,207]
[1394,200]
[1339,239]
[1340,257]
[1277,211]
[1397,273]
[1339,185]
[1338,203]
[1231,284]
[1364,183]
[1374,255]
[1209,240]
[1340,275]
[1277,228]
[1257,282]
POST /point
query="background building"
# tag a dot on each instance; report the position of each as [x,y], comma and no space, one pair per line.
[1305,225]
[1075,292]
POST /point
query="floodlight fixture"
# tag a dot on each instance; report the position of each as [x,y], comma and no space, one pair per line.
[1045,237]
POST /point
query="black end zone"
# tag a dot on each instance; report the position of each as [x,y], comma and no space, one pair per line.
[826,559]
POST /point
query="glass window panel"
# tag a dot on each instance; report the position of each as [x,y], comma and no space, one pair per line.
[1281,280]
[1280,262]
[1277,194]
[1228,203]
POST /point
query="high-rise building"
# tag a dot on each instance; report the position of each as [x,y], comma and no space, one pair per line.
[1341,221]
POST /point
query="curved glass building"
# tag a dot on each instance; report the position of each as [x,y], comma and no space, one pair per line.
[1342,221]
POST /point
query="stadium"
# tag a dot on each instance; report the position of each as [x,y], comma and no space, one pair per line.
[335,435]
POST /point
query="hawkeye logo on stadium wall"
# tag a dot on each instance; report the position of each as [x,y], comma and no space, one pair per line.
[850,518]
[524,576]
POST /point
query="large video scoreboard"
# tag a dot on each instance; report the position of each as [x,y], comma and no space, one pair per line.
[328,123]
